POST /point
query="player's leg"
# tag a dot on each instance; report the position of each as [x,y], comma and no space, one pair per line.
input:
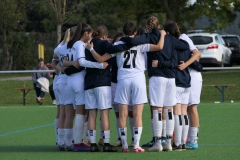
[68,126]
[163,128]
[131,123]
[194,100]
[57,114]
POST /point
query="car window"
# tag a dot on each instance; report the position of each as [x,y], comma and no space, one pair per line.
[198,40]
[217,39]
[231,40]
[222,41]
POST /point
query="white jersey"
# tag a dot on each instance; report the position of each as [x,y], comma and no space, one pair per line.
[195,75]
[60,51]
[131,63]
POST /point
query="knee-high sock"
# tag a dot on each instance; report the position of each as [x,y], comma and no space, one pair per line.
[157,126]
[163,128]
[177,129]
[185,128]
[137,135]
[61,136]
[123,133]
[106,136]
[68,136]
[169,124]
[92,136]
[193,134]
[78,128]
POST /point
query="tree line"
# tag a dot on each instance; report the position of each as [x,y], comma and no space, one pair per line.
[25,23]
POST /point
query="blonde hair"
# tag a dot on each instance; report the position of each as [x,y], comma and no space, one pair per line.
[66,36]
[152,22]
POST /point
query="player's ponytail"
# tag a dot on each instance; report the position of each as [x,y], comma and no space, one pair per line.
[81,29]
[152,22]
[172,28]
[100,31]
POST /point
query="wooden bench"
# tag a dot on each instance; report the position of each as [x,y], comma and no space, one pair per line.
[25,91]
[220,87]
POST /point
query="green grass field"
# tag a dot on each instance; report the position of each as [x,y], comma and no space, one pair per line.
[28,133]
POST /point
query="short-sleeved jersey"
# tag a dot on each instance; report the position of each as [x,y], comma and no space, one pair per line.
[60,51]
[195,75]
[131,63]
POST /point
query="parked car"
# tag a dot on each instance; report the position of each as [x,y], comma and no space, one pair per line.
[213,49]
[233,43]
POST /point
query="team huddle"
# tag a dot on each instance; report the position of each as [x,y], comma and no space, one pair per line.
[96,75]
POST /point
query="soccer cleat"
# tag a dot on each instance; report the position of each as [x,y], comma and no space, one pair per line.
[81,148]
[109,148]
[61,147]
[69,148]
[167,147]
[156,148]
[176,148]
[38,99]
[193,146]
[117,143]
[41,100]
[163,142]
[100,142]
[138,150]
[125,150]
[183,147]
[149,144]
[94,148]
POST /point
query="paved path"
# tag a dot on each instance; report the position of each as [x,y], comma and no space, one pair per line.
[17,78]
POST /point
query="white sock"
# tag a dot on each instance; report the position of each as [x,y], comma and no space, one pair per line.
[185,128]
[152,127]
[92,136]
[56,128]
[78,128]
[137,135]
[100,130]
[106,136]
[123,133]
[117,128]
[164,128]
[61,136]
[86,131]
[189,131]
[193,134]
[177,129]
[68,136]
[157,126]
[169,124]
[131,122]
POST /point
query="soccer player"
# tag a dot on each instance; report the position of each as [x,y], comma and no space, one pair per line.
[75,52]
[131,84]
[98,90]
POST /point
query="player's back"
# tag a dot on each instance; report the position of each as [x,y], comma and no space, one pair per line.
[131,63]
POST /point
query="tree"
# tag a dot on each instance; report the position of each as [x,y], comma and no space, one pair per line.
[12,13]
[62,12]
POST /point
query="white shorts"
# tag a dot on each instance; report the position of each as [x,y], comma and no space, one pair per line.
[61,90]
[131,89]
[195,92]
[162,91]
[76,92]
[56,96]
[182,95]
[114,104]
[98,98]
[113,89]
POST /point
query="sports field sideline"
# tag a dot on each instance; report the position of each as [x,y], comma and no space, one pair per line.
[27,132]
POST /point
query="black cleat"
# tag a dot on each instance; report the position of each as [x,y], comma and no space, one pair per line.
[94,148]
[176,148]
[149,144]
[183,147]
[109,148]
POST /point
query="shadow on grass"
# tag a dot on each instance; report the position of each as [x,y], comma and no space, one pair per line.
[28,149]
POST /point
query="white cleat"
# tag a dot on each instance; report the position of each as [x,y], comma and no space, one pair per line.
[167,147]
[156,148]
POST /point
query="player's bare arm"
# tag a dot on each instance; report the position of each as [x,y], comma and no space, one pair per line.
[97,56]
[67,63]
[195,56]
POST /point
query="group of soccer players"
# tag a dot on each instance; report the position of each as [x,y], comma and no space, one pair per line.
[96,75]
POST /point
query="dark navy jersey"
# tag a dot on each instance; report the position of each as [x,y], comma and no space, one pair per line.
[183,78]
[100,77]
[167,57]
